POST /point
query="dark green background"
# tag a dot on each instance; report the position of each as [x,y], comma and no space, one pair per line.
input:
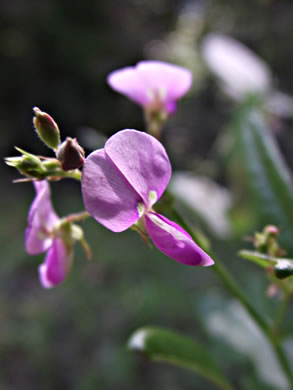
[56,55]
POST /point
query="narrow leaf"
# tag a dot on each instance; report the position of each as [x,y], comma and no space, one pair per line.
[163,345]
[266,171]
[283,267]
[258,258]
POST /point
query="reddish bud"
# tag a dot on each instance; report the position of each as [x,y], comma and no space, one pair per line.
[70,154]
[271,230]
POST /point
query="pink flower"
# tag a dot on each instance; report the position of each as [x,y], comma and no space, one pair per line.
[152,84]
[122,182]
[42,236]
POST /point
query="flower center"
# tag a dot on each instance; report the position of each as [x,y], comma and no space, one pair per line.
[158,94]
[152,196]
[157,99]
[142,208]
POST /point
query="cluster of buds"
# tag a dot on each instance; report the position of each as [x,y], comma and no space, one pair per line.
[46,232]
[269,255]
[69,154]
[267,241]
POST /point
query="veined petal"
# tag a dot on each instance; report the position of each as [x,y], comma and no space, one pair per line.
[143,161]
[57,264]
[170,81]
[175,242]
[107,195]
[128,82]
[41,219]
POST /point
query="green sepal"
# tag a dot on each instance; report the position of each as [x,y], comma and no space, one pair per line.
[28,164]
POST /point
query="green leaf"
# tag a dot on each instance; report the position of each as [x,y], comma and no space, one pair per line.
[266,171]
[258,258]
[163,345]
[283,267]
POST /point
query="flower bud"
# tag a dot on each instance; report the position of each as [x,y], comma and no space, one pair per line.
[27,164]
[271,230]
[70,154]
[284,268]
[46,128]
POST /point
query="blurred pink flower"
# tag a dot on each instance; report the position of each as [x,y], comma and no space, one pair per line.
[152,84]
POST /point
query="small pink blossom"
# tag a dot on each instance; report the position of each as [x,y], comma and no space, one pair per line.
[154,85]
[40,236]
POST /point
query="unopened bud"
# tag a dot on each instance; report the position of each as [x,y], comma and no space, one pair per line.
[272,230]
[46,128]
[284,268]
[27,164]
[51,164]
[70,154]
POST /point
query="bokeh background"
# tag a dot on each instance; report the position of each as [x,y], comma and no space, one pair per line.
[56,55]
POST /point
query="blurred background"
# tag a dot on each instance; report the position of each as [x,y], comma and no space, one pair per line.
[56,55]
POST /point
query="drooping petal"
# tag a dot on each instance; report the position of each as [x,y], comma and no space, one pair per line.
[143,161]
[57,264]
[171,81]
[175,242]
[128,82]
[107,195]
[41,218]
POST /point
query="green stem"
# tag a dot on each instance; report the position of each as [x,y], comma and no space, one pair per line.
[77,217]
[263,325]
[231,284]
[155,121]
[74,174]
[282,311]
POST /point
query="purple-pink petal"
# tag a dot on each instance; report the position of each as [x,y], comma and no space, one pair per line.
[143,161]
[162,76]
[41,219]
[57,264]
[150,79]
[128,82]
[175,242]
[107,195]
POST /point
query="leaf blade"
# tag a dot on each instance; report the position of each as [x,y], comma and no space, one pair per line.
[162,345]
[267,173]
[260,259]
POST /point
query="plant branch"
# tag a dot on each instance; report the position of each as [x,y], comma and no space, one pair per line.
[231,284]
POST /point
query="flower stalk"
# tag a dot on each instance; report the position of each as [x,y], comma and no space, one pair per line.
[230,283]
